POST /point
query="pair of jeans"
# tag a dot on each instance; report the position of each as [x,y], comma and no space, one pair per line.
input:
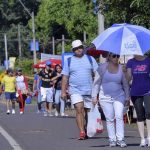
[59,100]
[142,107]
[113,112]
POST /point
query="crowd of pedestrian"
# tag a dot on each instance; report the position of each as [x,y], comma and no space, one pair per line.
[46,90]
[110,85]
[112,89]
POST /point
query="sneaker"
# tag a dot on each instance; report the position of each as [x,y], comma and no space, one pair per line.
[148,142]
[143,143]
[45,114]
[50,114]
[82,136]
[21,112]
[13,111]
[121,143]
[8,112]
[38,112]
[64,115]
[112,143]
[56,113]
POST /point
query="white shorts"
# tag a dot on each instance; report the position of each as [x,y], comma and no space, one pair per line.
[46,94]
[77,98]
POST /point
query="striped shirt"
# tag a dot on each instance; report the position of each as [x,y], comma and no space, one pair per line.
[80,74]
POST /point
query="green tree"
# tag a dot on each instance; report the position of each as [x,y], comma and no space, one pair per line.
[72,17]
[127,11]
[11,14]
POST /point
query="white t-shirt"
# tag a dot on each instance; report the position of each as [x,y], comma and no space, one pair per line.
[20,82]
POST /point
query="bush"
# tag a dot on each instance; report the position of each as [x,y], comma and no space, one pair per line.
[26,66]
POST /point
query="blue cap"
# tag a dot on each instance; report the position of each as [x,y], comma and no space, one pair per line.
[48,63]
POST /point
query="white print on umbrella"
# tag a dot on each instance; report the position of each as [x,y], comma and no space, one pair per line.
[130,44]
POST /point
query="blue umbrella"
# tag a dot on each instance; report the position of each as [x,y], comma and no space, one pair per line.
[124,39]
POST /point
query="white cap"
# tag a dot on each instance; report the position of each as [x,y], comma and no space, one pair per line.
[76,43]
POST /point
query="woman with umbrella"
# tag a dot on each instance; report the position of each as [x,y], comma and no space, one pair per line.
[128,39]
[111,85]
[138,70]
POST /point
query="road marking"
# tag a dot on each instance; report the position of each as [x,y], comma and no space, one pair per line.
[10,139]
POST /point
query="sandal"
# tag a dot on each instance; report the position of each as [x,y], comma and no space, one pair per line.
[82,136]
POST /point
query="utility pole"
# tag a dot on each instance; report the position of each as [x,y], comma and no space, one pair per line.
[19,42]
[53,43]
[6,52]
[98,9]
[33,30]
[84,36]
[63,43]
[34,42]
[100,18]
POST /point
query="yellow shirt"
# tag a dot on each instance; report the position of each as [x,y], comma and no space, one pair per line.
[9,83]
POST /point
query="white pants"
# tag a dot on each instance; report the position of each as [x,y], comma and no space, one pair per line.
[113,112]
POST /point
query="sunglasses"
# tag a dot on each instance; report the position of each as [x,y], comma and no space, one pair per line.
[79,47]
[115,56]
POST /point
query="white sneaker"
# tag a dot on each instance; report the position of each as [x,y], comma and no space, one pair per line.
[8,112]
[112,143]
[64,115]
[143,143]
[121,143]
[13,111]
[50,114]
[148,142]
[21,112]
[45,114]
[56,113]
[38,112]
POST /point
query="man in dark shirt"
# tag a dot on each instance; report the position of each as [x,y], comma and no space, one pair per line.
[46,88]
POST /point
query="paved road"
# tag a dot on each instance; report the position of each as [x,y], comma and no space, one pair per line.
[34,132]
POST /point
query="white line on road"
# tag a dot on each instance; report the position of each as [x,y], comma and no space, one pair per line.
[10,139]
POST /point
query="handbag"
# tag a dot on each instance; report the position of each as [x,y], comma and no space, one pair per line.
[95,124]
[28,100]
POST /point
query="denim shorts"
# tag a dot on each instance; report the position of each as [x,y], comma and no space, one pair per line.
[10,95]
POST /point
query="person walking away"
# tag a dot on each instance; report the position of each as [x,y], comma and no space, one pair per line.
[138,71]
[46,89]
[113,89]
[22,89]
[78,72]
[9,85]
[57,78]
[37,92]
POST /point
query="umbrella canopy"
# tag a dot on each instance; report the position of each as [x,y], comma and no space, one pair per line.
[124,39]
[43,63]
[95,53]
[91,50]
